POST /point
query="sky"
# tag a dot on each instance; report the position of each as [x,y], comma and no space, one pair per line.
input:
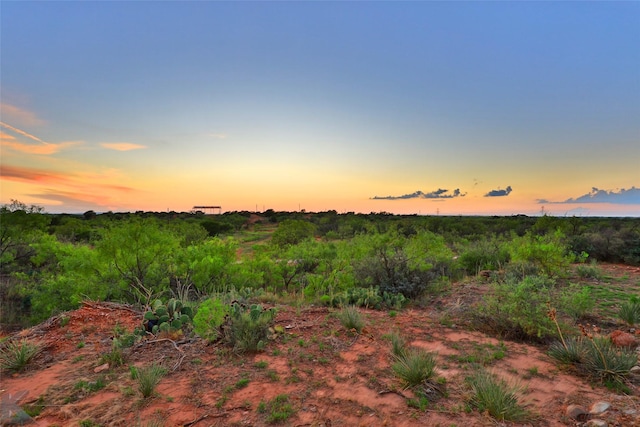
[449,108]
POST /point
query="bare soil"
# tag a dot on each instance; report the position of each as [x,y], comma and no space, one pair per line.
[330,376]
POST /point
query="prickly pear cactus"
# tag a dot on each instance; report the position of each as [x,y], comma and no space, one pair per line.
[168,318]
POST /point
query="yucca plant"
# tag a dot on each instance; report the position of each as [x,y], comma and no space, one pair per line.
[496,397]
[148,379]
[608,363]
[414,366]
[16,355]
[570,351]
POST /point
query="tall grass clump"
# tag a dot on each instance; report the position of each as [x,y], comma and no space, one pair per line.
[630,311]
[398,344]
[496,397]
[608,363]
[351,318]
[414,366]
[148,379]
[16,355]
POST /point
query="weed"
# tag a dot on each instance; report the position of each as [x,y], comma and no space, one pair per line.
[242,383]
[351,318]
[277,409]
[421,402]
[148,379]
[496,397]
[64,321]
[80,345]
[262,364]
[589,271]
[16,355]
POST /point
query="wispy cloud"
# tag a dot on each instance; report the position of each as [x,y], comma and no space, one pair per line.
[122,146]
[17,114]
[623,196]
[499,192]
[437,194]
[76,201]
[46,149]
[21,132]
[217,135]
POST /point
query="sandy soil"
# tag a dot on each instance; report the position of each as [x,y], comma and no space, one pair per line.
[331,376]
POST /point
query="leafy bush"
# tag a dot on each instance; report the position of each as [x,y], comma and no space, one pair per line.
[496,397]
[589,271]
[209,318]
[351,318]
[548,252]
[518,310]
[247,329]
[16,355]
[414,366]
[485,254]
[576,300]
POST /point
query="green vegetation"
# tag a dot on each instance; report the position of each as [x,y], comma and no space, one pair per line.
[248,328]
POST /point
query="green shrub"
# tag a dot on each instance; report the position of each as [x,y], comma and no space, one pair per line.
[576,301]
[148,379]
[518,310]
[16,355]
[485,254]
[589,271]
[209,319]
[414,366]
[247,329]
[351,318]
[496,397]
[547,252]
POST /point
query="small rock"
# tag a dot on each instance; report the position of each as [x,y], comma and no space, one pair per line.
[101,368]
[635,370]
[622,339]
[599,407]
[596,423]
[576,412]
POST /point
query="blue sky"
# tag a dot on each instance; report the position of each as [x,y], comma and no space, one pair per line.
[404,107]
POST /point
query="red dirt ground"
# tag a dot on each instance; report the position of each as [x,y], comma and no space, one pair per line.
[332,377]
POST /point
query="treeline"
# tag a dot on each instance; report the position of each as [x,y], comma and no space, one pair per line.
[50,262]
